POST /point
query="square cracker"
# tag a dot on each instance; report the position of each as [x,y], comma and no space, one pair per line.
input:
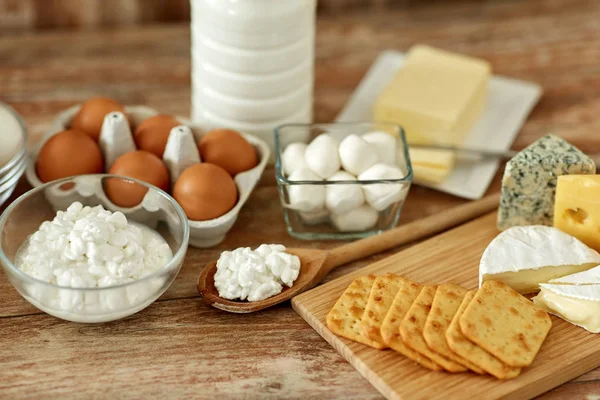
[411,330]
[344,318]
[380,300]
[505,324]
[445,304]
[470,351]
[390,328]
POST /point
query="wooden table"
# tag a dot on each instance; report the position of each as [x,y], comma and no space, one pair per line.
[179,347]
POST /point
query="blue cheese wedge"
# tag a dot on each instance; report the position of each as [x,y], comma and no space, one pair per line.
[529,181]
[525,256]
[574,298]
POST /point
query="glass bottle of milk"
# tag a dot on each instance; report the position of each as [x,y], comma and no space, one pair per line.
[252,63]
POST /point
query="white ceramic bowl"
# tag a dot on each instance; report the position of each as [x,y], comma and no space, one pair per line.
[14,131]
[202,233]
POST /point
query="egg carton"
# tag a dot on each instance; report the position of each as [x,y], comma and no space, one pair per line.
[181,151]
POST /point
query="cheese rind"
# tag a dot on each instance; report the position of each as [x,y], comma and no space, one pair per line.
[529,181]
[579,305]
[577,207]
[589,277]
[525,256]
[436,96]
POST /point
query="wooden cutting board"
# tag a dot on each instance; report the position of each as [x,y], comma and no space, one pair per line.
[454,256]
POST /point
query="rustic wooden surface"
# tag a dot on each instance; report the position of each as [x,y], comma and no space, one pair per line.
[452,257]
[21,15]
[178,347]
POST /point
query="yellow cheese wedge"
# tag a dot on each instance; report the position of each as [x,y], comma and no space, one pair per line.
[577,207]
[436,96]
[431,166]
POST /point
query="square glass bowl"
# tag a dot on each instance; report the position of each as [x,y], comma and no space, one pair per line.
[321,223]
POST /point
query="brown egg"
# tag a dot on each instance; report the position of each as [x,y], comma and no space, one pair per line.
[141,165]
[205,191]
[69,153]
[152,134]
[91,115]
[229,150]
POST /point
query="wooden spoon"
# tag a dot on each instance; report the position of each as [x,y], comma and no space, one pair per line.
[316,264]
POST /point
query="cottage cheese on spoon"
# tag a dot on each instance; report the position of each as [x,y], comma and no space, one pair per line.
[253,275]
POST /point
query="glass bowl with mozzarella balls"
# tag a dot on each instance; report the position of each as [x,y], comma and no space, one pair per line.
[82,258]
[341,180]
[211,173]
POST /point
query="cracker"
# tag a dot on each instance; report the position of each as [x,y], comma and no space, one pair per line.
[390,328]
[445,304]
[411,330]
[505,324]
[344,318]
[473,353]
[380,300]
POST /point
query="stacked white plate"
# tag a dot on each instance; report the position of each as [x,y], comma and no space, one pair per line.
[13,150]
[252,64]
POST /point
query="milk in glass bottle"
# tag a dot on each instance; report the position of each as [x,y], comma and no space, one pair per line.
[252,63]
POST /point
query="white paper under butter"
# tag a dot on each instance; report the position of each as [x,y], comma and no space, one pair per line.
[525,256]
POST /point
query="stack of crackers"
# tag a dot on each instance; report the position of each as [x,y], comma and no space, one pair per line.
[493,330]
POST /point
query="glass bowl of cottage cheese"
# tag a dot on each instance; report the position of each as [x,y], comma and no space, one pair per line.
[74,254]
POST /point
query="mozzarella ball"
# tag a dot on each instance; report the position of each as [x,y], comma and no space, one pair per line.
[315,217]
[357,155]
[306,198]
[382,195]
[385,145]
[359,219]
[340,199]
[293,158]
[321,156]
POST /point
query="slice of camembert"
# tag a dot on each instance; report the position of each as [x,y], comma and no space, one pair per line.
[525,256]
[529,181]
[574,298]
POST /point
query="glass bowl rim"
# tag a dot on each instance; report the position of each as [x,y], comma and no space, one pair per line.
[282,179]
[24,137]
[179,254]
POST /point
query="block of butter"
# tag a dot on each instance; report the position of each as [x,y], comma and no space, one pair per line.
[436,96]
[431,166]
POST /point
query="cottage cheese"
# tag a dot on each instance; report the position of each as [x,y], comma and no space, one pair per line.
[254,275]
[89,247]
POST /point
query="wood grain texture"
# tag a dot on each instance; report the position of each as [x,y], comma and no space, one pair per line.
[555,43]
[452,257]
[19,15]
